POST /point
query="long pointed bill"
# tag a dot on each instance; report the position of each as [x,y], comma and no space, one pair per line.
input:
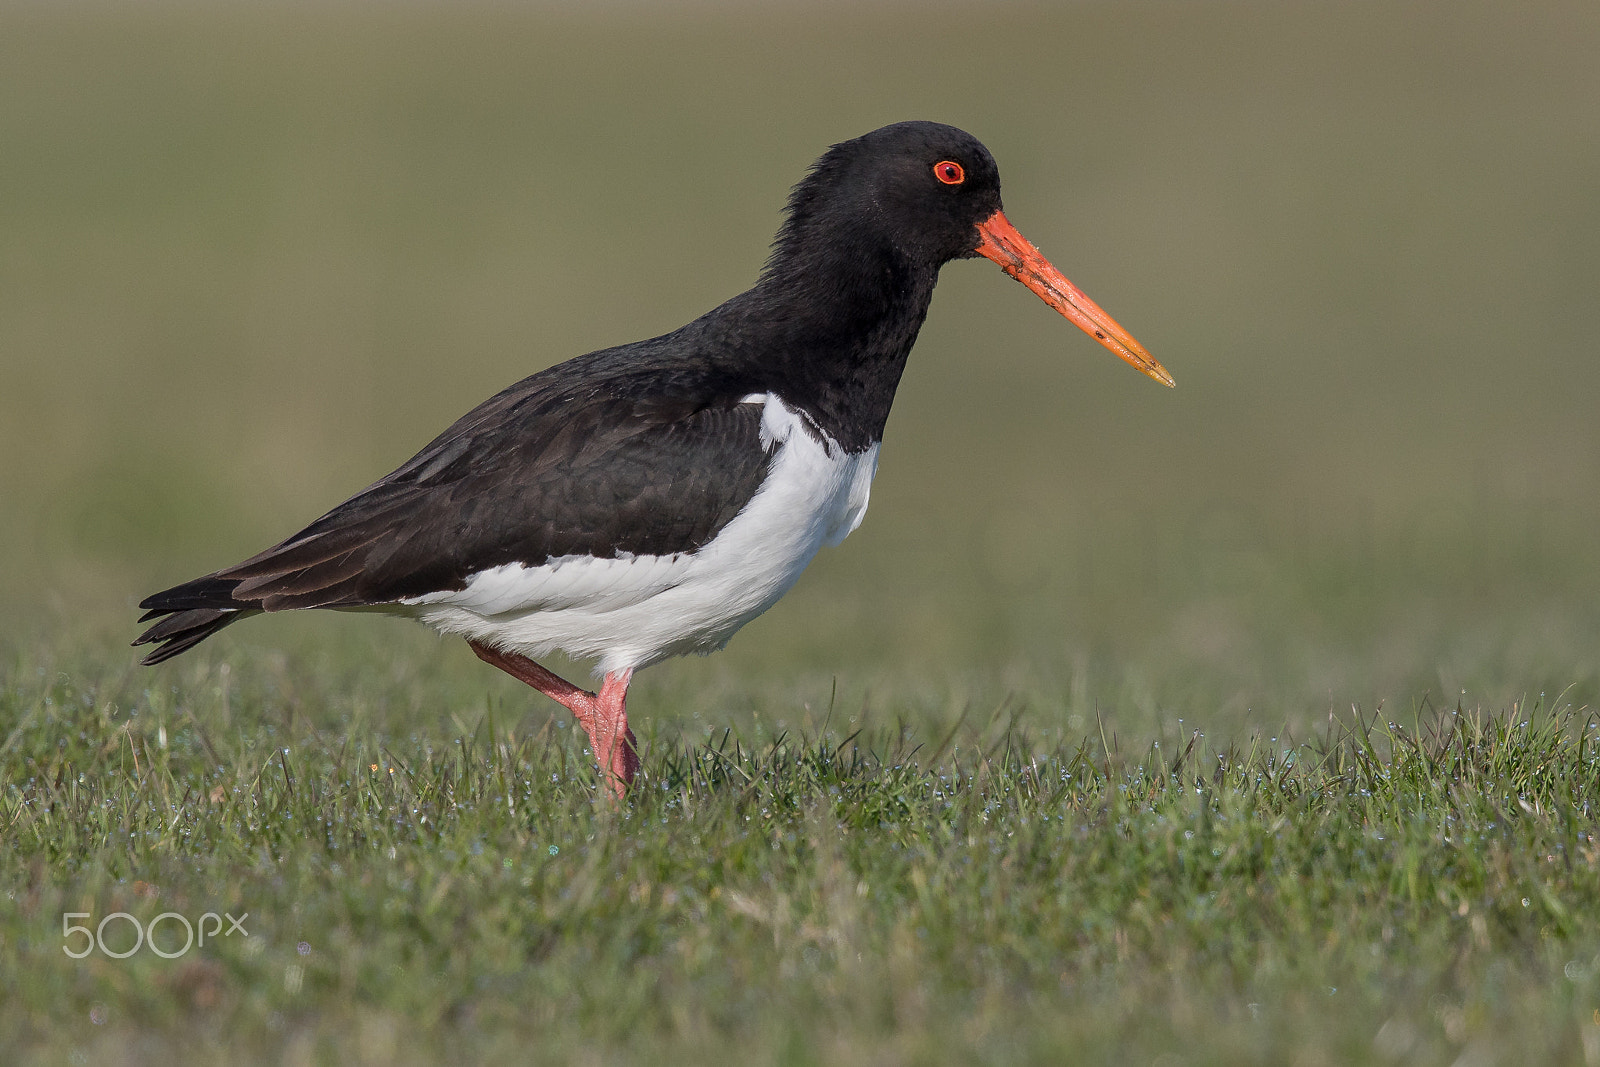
[1001,242]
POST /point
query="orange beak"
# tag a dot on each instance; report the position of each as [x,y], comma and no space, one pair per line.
[1001,242]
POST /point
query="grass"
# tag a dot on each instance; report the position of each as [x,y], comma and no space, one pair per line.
[1380,892]
[946,802]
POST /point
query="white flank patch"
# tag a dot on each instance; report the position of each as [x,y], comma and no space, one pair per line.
[633,611]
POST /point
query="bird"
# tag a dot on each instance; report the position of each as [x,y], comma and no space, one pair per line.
[646,501]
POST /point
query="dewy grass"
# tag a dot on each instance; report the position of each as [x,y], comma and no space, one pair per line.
[1380,892]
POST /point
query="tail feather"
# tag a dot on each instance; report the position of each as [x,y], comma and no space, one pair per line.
[189,613]
[184,629]
[324,565]
[208,592]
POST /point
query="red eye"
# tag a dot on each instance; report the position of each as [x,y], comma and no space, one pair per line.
[949,172]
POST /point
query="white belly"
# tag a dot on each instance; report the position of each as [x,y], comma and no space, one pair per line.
[633,611]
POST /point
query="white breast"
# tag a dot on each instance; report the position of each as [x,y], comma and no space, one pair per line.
[632,611]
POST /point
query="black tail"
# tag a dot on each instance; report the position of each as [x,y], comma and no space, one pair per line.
[190,613]
[351,557]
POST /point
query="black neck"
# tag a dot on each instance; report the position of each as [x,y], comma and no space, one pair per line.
[828,328]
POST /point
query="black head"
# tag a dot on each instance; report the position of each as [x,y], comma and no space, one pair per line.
[921,188]
[877,216]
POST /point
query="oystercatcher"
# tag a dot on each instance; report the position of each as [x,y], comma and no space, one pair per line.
[648,500]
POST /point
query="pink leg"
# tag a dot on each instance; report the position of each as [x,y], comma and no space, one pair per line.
[604,714]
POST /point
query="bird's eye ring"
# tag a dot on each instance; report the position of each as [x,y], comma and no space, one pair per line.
[949,172]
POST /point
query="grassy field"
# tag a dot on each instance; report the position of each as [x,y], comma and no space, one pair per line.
[1374,894]
[1250,721]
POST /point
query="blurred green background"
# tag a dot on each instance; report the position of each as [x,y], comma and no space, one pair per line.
[253,256]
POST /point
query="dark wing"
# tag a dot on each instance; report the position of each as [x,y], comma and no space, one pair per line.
[559,464]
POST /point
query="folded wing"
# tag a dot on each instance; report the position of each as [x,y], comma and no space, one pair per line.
[538,472]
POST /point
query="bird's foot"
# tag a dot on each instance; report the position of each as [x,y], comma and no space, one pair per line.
[609,735]
[603,715]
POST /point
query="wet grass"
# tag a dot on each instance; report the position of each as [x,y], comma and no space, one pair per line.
[1379,892]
